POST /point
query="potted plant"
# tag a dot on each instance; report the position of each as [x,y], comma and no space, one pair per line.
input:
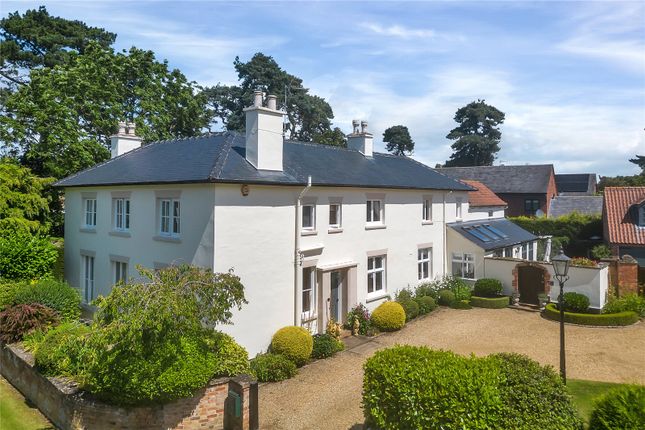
[543,299]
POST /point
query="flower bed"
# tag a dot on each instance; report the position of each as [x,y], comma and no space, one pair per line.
[618,319]
[489,302]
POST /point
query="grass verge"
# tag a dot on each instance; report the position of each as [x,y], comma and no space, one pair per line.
[584,392]
[16,414]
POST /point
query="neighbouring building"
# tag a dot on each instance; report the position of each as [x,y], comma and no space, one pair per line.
[527,190]
[624,221]
[576,184]
[567,204]
[483,203]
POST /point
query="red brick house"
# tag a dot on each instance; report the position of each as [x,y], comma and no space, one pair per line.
[525,189]
[624,221]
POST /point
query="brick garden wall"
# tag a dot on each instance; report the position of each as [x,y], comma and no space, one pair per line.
[68,407]
[623,275]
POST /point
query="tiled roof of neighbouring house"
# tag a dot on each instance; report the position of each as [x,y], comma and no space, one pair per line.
[575,182]
[492,233]
[483,196]
[221,158]
[506,179]
[585,205]
[620,212]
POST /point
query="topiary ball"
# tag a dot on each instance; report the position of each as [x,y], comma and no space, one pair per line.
[295,343]
[411,309]
[389,316]
[446,297]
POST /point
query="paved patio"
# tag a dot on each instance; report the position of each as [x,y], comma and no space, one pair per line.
[327,393]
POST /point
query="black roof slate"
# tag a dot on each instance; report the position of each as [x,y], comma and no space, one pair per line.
[575,182]
[220,157]
[585,205]
[527,179]
[515,234]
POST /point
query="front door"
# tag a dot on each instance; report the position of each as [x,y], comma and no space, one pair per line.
[335,296]
[530,283]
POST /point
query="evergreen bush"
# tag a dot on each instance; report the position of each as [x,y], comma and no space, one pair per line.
[325,346]
[273,367]
[52,293]
[618,319]
[487,287]
[620,408]
[629,302]
[389,316]
[411,309]
[426,304]
[446,297]
[24,256]
[60,352]
[230,357]
[295,343]
[575,302]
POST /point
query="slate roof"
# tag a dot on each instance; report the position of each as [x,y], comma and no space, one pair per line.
[220,157]
[474,231]
[575,182]
[620,213]
[586,205]
[528,179]
[483,197]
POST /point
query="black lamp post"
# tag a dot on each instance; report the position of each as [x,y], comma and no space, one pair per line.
[561,268]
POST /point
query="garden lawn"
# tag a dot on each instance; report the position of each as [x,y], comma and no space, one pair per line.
[16,414]
[584,392]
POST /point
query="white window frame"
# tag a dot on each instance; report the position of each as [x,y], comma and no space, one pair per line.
[424,264]
[89,212]
[427,209]
[369,208]
[459,208]
[373,273]
[464,259]
[173,218]
[312,207]
[120,271]
[121,209]
[87,277]
[311,292]
[339,216]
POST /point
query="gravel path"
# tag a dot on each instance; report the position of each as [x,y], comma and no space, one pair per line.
[327,393]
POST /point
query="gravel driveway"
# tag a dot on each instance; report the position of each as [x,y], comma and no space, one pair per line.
[327,393]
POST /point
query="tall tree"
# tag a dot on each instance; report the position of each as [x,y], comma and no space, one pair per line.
[477,136]
[309,116]
[37,39]
[60,121]
[639,160]
[398,140]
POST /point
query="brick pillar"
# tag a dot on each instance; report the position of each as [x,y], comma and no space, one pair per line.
[247,389]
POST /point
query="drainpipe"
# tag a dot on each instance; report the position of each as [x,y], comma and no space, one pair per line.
[297,273]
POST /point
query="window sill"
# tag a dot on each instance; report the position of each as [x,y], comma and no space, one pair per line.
[167,239]
[375,226]
[427,222]
[304,319]
[334,230]
[87,230]
[118,233]
[376,298]
[308,233]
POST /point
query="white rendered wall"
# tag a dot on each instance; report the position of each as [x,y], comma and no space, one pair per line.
[481,213]
[459,244]
[195,245]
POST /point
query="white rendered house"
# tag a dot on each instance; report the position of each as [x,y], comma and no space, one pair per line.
[311,230]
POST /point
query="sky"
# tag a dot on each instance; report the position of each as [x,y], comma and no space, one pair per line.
[570,76]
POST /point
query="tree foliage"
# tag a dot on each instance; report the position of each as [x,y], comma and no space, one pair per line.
[477,136]
[398,140]
[309,116]
[639,160]
[60,122]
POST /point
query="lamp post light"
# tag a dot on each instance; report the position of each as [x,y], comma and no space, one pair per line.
[561,268]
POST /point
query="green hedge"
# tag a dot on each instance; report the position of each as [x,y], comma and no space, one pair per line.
[618,319]
[620,408]
[489,302]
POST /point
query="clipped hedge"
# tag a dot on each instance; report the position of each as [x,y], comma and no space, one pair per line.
[489,302]
[620,408]
[295,343]
[273,367]
[618,319]
[461,304]
[389,316]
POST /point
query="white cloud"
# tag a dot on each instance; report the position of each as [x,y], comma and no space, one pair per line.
[398,31]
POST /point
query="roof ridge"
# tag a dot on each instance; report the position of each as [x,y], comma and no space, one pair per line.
[220,161]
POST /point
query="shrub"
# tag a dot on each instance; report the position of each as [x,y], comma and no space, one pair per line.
[446,297]
[428,289]
[25,256]
[629,302]
[504,391]
[361,314]
[403,295]
[426,304]
[535,396]
[295,343]
[411,309]
[231,359]
[52,293]
[618,319]
[7,293]
[18,320]
[272,368]
[620,408]
[575,302]
[389,316]
[462,292]
[325,346]
[487,287]
[461,304]
[582,261]
[488,302]
[600,251]
[60,353]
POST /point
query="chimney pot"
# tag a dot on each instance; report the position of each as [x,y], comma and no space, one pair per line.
[257,98]
[272,102]
[355,124]
[363,126]
[121,128]
[130,128]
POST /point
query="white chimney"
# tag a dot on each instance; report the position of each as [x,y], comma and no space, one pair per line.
[264,133]
[360,139]
[125,140]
